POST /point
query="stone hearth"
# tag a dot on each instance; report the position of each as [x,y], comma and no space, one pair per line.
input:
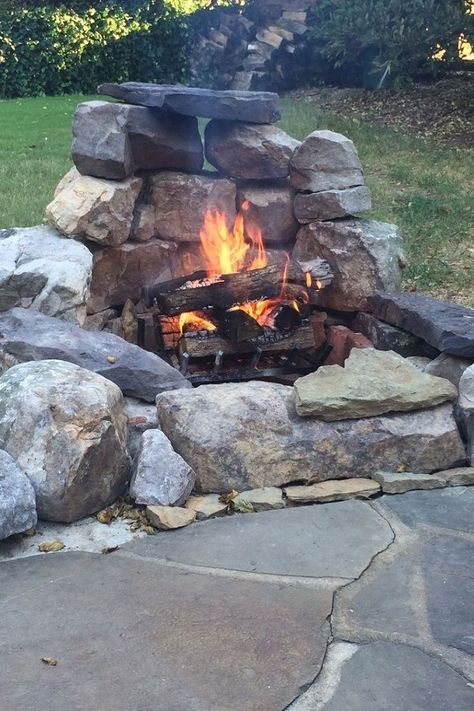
[390,408]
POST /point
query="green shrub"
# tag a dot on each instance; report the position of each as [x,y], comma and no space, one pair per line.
[56,50]
[375,42]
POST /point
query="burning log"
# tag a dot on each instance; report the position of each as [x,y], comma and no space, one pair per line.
[237,325]
[284,317]
[194,293]
[207,345]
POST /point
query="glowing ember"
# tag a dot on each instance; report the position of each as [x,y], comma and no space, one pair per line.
[195,321]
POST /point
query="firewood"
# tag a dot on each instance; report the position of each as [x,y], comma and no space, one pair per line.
[209,344]
[237,325]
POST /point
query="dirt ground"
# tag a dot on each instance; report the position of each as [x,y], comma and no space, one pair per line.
[443,111]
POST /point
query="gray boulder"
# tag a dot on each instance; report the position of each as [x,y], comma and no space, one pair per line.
[160,475]
[100,144]
[248,435]
[449,367]
[41,269]
[93,208]
[249,151]
[271,209]
[67,429]
[25,336]
[120,273]
[365,256]
[181,202]
[370,383]
[17,498]
[331,204]
[326,161]
[112,140]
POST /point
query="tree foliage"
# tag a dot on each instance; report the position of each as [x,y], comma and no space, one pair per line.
[369,41]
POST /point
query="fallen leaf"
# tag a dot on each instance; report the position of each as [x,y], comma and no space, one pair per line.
[50,661]
[51,547]
[109,549]
[148,530]
[110,513]
[111,359]
[227,498]
[30,532]
[241,505]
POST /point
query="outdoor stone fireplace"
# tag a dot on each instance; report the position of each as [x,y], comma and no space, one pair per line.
[157,274]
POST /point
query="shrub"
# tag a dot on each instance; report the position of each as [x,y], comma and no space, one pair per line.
[57,50]
[373,42]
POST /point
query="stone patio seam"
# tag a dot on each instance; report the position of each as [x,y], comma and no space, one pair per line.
[291,580]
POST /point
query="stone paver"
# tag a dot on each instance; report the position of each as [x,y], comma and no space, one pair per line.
[131,635]
[448,508]
[393,677]
[296,541]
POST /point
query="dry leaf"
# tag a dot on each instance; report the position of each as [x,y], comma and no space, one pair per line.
[109,549]
[30,532]
[110,513]
[51,547]
[111,359]
[50,661]
[227,498]
[149,530]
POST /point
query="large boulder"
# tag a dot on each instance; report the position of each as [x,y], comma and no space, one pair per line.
[270,208]
[100,144]
[254,106]
[370,383]
[248,435]
[249,151]
[67,429]
[160,475]
[25,336]
[326,161]
[365,256]
[331,204]
[17,498]
[449,367]
[446,326]
[181,202]
[93,208]
[121,273]
[41,269]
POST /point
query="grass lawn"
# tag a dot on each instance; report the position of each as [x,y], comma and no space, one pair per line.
[424,188]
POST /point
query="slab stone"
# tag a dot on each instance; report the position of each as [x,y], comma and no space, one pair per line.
[225,433]
[93,208]
[461,476]
[249,151]
[449,581]
[445,508]
[366,248]
[447,327]
[253,106]
[370,383]
[66,428]
[449,367]
[100,144]
[333,490]
[177,620]
[390,338]
[264,499]
[42,270]
[391,676]
[400,482]
[270,208]
[17,498]
[169,517]
[207,506]
[160,476]
[326,161]
[121,273]
[26,336]
[181,202]
[293,541]
[331,204]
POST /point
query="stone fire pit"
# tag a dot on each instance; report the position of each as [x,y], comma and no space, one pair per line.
[390,409]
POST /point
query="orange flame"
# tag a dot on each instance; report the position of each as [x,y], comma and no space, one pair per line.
[195,321]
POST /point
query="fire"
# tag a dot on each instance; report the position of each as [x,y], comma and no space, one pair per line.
[195,321]
[227,251]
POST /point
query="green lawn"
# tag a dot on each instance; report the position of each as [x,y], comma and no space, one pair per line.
[426,189]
